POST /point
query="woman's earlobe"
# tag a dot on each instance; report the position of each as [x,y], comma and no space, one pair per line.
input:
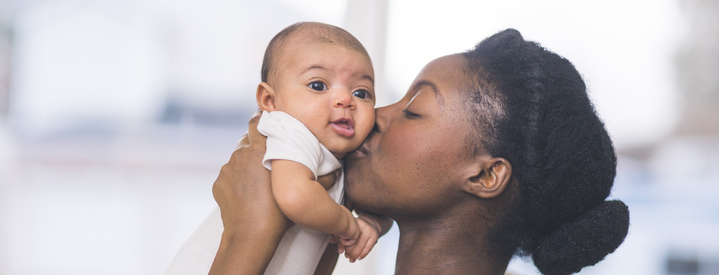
[492,176]
[265,97]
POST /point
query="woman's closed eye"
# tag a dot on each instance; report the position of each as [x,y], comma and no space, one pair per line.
[409,114]
[317,86]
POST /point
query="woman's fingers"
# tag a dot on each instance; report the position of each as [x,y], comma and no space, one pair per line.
[253,134]
[244,141]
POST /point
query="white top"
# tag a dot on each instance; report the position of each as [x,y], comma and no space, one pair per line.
[301,248]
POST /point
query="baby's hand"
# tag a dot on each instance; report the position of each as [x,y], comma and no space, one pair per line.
[359,249]
[350,236]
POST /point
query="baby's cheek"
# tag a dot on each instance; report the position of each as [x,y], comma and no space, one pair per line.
[365,115]
[362,130]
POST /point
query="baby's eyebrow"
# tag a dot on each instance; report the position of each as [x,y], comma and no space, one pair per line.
[366,76]
[320,67]
[313,67]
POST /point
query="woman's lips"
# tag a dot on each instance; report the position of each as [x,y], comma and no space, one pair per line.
[359,152]
[343,127]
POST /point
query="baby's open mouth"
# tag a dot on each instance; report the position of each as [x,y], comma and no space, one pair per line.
[343,127]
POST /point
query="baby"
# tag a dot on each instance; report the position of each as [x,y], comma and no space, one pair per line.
[317,97]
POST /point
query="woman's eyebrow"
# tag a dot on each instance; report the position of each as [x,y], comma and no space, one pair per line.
[433,87]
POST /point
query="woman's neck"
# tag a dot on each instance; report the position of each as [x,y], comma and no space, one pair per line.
[445,247]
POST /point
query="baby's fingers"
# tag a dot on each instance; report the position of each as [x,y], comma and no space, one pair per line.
[367,247]
[347,242]
[352,253]
[340,248]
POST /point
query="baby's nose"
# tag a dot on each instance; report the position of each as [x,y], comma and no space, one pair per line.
[343,99]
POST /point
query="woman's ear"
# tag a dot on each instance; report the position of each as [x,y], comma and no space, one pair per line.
[488,178]
[265,97]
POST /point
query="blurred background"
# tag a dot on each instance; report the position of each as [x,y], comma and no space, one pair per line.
[116,115]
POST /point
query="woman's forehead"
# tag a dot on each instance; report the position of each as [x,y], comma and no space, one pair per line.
[449,69]
[445,75]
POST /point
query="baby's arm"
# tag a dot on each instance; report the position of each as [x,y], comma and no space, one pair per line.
[305,202]
[371,226]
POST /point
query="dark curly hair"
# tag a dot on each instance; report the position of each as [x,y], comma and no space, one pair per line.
[531,108]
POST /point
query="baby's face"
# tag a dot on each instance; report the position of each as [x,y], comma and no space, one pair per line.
[329,88]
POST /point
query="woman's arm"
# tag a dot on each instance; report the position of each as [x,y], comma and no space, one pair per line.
[253,223]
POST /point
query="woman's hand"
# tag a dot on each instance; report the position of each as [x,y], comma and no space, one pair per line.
[254,224]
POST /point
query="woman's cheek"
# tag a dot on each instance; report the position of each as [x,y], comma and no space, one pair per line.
[400,141]
[403,153]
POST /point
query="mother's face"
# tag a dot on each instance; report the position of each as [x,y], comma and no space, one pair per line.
[409,165]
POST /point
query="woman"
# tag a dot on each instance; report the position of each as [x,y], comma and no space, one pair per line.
[491,153]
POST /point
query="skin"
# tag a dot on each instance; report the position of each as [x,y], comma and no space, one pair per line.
[416,168]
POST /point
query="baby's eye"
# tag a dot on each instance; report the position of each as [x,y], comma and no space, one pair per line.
[317,86]
[361,94]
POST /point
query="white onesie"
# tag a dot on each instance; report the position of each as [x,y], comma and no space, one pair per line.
[301,248]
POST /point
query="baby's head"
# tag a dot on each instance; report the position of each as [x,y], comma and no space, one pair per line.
[321,75]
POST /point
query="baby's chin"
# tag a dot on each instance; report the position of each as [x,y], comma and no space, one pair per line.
[339,153]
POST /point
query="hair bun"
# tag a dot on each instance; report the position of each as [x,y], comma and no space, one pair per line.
[584,241]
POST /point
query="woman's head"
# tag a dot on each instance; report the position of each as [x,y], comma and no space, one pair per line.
[503,135]
[402,168]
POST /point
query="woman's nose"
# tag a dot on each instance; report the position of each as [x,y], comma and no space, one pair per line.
[382,118]
[342,99]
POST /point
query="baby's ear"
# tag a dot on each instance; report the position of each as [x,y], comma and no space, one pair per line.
[265,97]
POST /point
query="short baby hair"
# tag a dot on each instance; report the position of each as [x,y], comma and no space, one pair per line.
[313,32]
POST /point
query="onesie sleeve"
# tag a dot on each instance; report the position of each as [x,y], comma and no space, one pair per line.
[289,139]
